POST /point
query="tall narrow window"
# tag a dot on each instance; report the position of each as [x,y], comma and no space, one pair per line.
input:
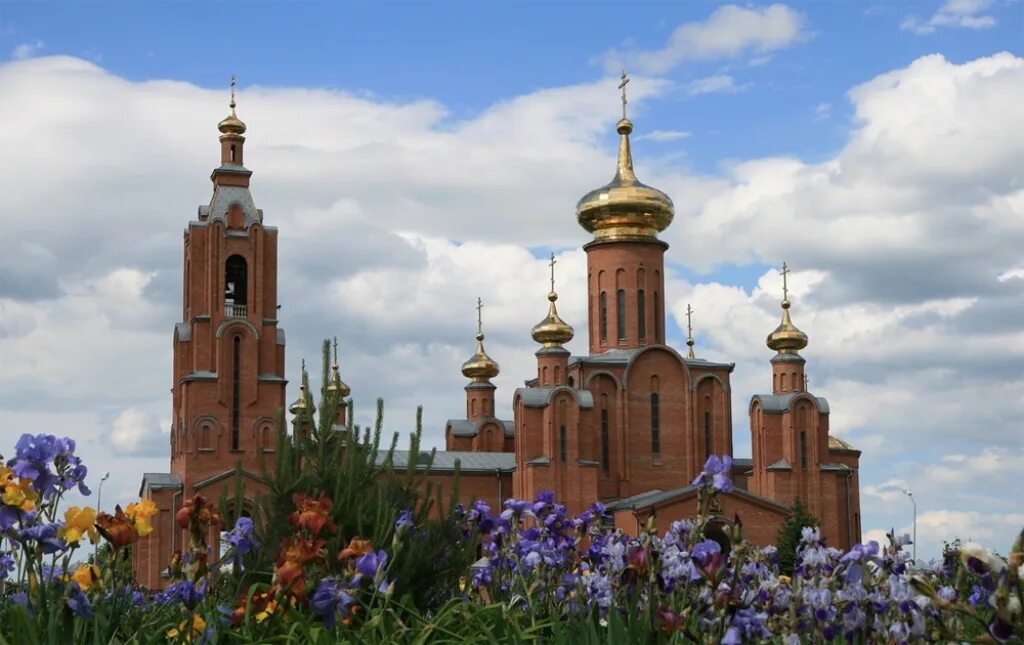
[655,424]
[232,153]
[620,312]
[641,315]
[236,288]
[657,318]
[803,450]
[603,304]
[707,435]
[563,445]
[604,440]
[236,393]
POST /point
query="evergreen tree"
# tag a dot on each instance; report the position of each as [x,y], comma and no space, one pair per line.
[788,540]
[368,494]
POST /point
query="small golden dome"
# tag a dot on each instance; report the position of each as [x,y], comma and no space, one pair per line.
[552,331]
[480,366]
[835,443]
[787,339]
[232,124]
[337,386]
[303,404]
[625,208]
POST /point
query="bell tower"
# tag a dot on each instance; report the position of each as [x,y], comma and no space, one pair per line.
[229,381]
[625,260]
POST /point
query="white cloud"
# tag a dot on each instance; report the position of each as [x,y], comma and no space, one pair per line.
[729,32]
[136,432]
[822,110]
[718,84]
[392,225]
[27,49]
[664,135]
[954,13]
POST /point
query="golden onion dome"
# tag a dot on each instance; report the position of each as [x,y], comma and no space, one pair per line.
[835,443]
[625,209]
[303,404]
[232,124]
[337,386]
[480,366]
[552,331]
[787,339]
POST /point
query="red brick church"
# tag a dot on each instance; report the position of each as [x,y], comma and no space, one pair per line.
[630,423]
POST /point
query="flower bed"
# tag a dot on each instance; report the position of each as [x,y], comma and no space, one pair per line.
[539,574]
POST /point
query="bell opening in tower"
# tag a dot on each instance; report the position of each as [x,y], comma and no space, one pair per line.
[236,287]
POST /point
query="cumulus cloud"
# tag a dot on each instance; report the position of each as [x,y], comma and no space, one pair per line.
[729,32]
[905,246]
[664,135]
[966,14]
[27,49]
[136,433]
[718,84]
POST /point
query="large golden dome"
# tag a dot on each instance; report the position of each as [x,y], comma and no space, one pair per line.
[624,208]
[480,366]
[552,331]
[787,339]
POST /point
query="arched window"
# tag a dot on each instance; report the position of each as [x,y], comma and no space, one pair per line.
[707,435]
[236,287]
[603,304]
[236,394]
[605,460]
[563,444]
[620,312]
[657,318]
[803,450]
[641,314]
[558,375]
[655,424]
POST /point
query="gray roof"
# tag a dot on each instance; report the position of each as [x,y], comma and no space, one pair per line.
[226,196]
[742,463]
[835,467]
[184,331]
[655,497]
[781,402]
[781,464]
[701,362]
[201,375]
[157,481]
[788,358]
[465,428]
[271,378]
[469,462]
[611,356]
[540,397]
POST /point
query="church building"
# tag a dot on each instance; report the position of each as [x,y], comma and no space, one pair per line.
[630,423]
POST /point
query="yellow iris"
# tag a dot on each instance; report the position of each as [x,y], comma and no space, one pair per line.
[86,576]
[79,522]
[139,513]
[198,625]
[20,494]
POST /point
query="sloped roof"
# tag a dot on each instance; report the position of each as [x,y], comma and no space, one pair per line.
[775,403]
[157,481]
[466,428]
[540,397]
[444,460]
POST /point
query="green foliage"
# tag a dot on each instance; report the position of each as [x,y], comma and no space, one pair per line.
[789,535]
[349,464]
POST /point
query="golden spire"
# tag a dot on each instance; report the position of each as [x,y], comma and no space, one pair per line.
[552,331]
[303,403]
[480,367]
[625,209]
[689,331]
[232,124]
[336,385]
[786,339]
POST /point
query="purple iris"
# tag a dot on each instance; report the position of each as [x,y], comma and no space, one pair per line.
[716,473]
[369,564]
[187,593]
[45,535]
[331,600]
[404,523]
[242,539]
[7,565]
[78,602]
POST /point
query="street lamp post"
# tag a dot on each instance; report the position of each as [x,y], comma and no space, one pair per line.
[906,491]
[99,504]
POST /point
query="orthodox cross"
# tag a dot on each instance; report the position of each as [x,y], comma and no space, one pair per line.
[232,105]
[335,350]
[785,285]
[479,315]
[552,265]
[689,321]
[807,379]
[624,80]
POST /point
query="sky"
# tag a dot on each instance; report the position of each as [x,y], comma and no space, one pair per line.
[415,156]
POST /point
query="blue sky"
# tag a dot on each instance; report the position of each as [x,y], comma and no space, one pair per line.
[416,155]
